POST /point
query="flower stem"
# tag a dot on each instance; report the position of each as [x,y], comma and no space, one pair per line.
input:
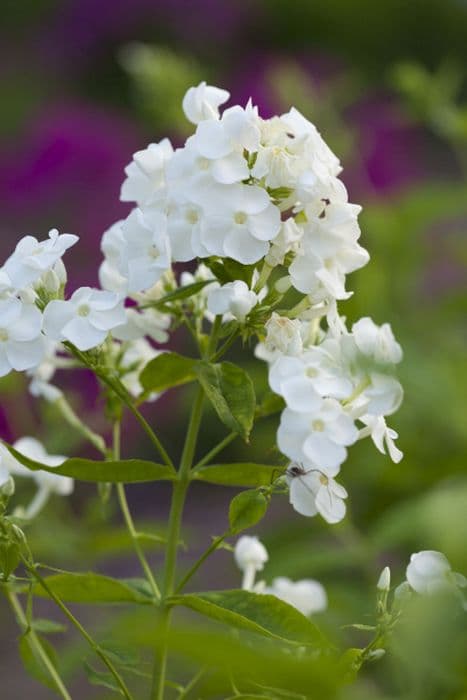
[75,422]
[216,449]
[176,512]
[127,515]
[36,644]
[212,548]
[69,615]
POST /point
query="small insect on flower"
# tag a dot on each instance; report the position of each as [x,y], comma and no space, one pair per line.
[312,492]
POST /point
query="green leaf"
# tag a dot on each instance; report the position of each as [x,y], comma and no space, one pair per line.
[47,626]
[246,509]
[119,654]
[167,370]
[33,665]
[125,470]
[95,588]
[255,612]
[230,391]
[101,678]
[178,294]
[238,474]
[271,403]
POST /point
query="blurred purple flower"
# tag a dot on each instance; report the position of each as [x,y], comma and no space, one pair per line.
[67,173]
[392,151]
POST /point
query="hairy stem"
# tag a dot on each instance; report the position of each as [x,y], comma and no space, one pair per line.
[69,615]
[127,515]
[176,512]
[37,645]
[212,548]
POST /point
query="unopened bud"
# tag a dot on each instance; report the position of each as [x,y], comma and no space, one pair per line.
[376,654]
[7,489]
[384,581]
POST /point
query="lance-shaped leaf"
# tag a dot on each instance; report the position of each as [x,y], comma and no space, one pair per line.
[167,370]
[95,588]
[254,612]
[238,474]
[179,294]
[230,391]
[125,470]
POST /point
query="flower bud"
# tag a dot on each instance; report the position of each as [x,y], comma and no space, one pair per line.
[249,551]
[384,581]
[376,654]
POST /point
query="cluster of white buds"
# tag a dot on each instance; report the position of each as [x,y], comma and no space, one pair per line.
[307,595]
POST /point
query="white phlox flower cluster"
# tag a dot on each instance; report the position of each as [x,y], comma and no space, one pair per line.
[307,596]
[337,389]
[257,208]
[47,483]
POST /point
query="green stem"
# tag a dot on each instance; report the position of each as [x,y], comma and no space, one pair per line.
[122,499]
[117,387]
[75,422]
[212,548]
[215,450]
[69,615]
[188,688]
[223,349]
[36,644]
[176,512]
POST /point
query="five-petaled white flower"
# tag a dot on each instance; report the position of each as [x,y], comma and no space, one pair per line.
[233,300]
[21,340]
[31,258]
[312,492]
[85,319]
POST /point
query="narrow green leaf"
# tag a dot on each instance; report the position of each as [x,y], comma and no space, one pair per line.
[179,294]
[95,588]
[125,470]
[255,612]
[246,509]
[119,654]
[101,678]
[33,664]
[167,370]
[231,392]
[47,626]
[238,474]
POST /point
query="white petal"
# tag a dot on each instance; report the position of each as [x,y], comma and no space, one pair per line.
[302,498]
[82,334]
[323,452]
[56,315]
[330,506]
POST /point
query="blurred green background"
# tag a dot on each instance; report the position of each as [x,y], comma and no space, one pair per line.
[84,84]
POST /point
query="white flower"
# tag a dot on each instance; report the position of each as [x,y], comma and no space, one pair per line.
[313,492]
[385,394]
[287,240]
[328,250]
[376,342]
[283,337]
[384,581]
[382,435]
[146,173]
[47,482]
[307,595]
[146,255]
[21,341]
[202,102]
[319,436]
[429,571]
[241,225]
[233,298]
[148,322]
[250,556]
[113,247]
[85,319]
[32,258]
[42,374]
[135,356]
